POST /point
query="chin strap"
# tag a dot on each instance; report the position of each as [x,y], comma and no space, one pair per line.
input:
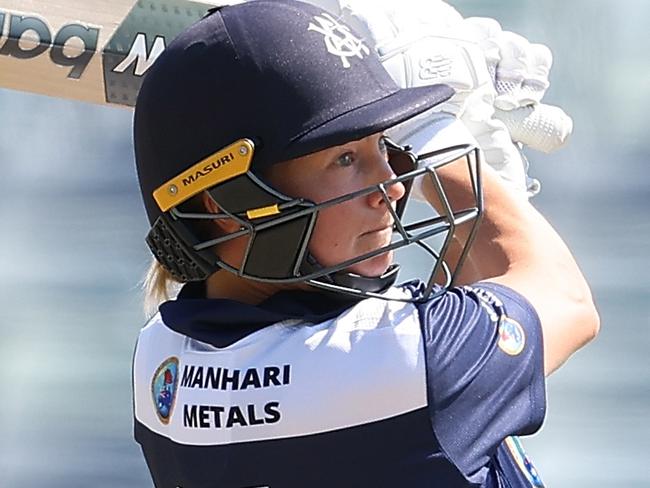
[375,284]
[342,282]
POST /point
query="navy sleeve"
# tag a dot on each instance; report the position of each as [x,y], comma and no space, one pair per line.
[485,370]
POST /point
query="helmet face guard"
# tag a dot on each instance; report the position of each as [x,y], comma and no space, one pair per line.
[279,227]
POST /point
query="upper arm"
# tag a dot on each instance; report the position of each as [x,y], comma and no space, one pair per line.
[563,303]
[515,246]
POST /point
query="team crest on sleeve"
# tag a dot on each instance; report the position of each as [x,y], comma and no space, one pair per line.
[512,338]
[338,38]
[163,388]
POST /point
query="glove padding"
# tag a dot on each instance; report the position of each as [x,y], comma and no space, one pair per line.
[519,69]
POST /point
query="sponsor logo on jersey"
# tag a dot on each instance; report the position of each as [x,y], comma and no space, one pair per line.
[229,416]
[338,39]
[523,461]
[512,338]
[163,388]
[218,378]
[71,46]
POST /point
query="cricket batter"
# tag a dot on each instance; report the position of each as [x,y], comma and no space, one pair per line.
[291,356]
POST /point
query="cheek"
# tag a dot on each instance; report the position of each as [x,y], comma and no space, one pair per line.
[334,235]
[337,238]
[339,235]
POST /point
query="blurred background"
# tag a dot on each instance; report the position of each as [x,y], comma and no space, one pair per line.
[72,255]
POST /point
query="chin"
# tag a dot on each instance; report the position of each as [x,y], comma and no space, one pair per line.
[373,267]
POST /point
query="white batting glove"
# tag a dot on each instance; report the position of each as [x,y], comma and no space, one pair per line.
[519,71]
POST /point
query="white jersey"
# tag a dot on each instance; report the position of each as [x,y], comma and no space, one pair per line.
[304,390]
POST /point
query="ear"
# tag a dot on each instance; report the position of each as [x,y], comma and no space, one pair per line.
[226,226]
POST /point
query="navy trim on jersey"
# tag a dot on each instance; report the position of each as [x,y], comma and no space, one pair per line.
[221,322]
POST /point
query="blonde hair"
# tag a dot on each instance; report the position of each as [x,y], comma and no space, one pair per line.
[158,286]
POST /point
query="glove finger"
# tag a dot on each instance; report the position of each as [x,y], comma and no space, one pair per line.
[479,29]
[512,69]
[536,83]
[542,127]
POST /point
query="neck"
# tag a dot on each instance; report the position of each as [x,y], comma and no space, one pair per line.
[224,284]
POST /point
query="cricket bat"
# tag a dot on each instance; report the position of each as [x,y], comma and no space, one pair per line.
[90,50]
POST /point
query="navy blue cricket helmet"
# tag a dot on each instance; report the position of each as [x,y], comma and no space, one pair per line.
[248,86]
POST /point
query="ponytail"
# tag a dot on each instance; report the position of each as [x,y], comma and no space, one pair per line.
[158,286]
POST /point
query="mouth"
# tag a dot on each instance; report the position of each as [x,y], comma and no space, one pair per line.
[379,230]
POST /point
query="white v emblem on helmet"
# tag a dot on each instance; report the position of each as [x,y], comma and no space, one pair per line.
[338,39]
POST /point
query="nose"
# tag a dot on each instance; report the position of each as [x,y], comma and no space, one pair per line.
[394,191]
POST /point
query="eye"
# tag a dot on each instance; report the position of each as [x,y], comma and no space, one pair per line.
[346,159]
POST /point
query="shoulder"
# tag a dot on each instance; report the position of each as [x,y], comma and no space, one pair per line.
[485,372]
[480,302]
